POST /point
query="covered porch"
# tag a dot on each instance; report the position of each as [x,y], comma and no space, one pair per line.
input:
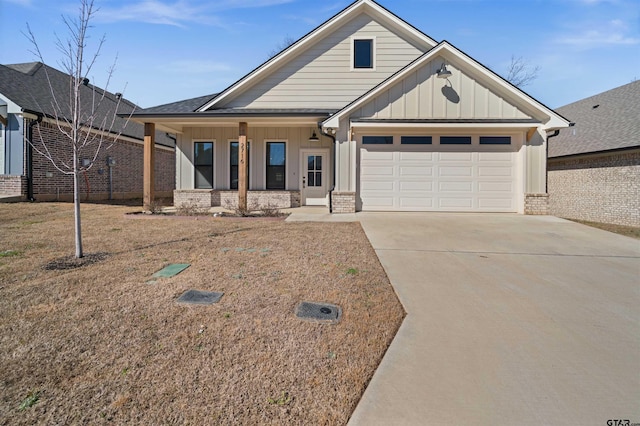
[246,161]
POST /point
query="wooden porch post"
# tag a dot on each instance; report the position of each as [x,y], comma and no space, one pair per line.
[149,162]
[243,175]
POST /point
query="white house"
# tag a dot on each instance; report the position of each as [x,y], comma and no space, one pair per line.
[365,113]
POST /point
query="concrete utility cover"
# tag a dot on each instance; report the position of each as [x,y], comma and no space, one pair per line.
[171,270]
[319,312]
[197,297]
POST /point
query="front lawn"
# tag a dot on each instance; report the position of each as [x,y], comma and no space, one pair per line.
[103,343]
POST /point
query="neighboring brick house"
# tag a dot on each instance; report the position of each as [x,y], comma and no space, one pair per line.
[594,166]
[26,113]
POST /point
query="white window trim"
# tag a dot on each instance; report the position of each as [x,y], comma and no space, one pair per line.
[287,163]
[251,168]
[352,56]
[193,162]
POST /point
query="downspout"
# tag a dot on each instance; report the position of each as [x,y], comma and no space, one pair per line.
[30,157]
[333,178]
[546,175]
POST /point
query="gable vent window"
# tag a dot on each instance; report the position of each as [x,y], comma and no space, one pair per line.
[363,54]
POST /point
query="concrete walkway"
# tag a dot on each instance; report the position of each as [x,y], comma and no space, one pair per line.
[511,320]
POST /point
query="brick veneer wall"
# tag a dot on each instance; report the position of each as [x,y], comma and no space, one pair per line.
[11,185]
[536,204]
[205,198]
[603,188]
[343,202]
[127,172]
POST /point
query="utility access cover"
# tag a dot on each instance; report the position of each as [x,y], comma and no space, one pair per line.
[197,297]
[171,270]
[319,312]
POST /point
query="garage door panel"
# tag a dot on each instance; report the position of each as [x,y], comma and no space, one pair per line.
[378,202]
[407,171]
[416,156]
[455,186]
[378,185]
[413,202]
[455,171]
[495,203]
[413,186]
[484,171]
[455,156]
[506,157]
[455,202]
[377,155]
[377,171]
[495,187]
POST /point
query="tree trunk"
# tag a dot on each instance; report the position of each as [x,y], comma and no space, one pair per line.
[76,208]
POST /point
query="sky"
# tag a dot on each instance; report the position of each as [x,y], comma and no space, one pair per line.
[169,50]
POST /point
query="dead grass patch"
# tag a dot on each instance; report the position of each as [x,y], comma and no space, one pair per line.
[98,345]
[627,231]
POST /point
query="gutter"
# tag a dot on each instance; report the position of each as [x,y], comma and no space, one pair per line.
[30,157]
[333,178]
[546,175]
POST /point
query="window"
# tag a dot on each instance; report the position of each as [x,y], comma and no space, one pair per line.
[377,140]
[495,140]
[455,140]
[363,53]
[415,140]
[203,161]
[276,165]
[234,157]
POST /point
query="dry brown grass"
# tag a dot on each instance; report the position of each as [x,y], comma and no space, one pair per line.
[100,345]
[627,231]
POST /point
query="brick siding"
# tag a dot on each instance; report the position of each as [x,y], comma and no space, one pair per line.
[536,204]
[13,186]
[343,202]
[205,198]
[50,184]
[603,188]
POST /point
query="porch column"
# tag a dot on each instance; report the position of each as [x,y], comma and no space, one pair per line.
[149,162]
[243,175]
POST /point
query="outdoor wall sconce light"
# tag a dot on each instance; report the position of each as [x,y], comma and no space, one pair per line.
[48,174]
[314,137]
[111,162]
[443,72]
[85,162]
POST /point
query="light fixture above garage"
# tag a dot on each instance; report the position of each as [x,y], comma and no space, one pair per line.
[314,137]
[443,72]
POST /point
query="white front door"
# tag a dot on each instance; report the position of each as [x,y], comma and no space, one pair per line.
[314,177]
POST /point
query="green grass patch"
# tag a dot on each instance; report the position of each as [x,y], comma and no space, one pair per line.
[10,253]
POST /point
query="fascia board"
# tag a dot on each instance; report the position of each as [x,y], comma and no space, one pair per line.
[310,38]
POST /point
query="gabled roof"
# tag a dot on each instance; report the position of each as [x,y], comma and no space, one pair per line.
[360,6]
[552,120]
[606,121]
[27,86]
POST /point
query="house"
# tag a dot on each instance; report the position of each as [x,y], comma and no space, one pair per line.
[594,166]
[365,113]
[27,114]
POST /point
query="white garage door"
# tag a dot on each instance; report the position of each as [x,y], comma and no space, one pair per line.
[440,176]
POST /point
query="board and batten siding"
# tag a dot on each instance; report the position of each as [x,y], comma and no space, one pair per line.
[321,77]
[421,95]
[297,138]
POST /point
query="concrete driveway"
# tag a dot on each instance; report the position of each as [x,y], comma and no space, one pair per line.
[511,319]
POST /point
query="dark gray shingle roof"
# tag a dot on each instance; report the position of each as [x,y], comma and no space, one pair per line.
[606,121]
[187,105]
[27,86]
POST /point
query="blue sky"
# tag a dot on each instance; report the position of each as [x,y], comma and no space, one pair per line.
[169,50]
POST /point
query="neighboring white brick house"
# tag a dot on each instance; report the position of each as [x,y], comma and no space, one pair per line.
[594,166]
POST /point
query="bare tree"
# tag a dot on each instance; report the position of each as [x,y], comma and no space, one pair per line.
[520,73]
[286,42]
[81,115]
